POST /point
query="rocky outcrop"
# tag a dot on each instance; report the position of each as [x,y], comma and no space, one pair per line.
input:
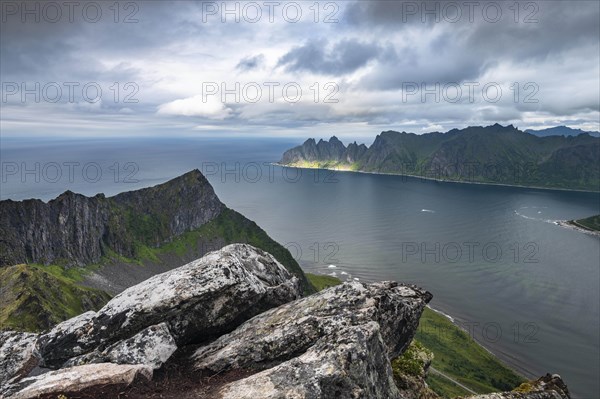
[339,341]
[152,347]
[550,386]
[311,151]
[324,151]
[292,329]
[354,152]
[79,230]
[76,379]
[17,357]
[235,317]
[198,301]
[351,363]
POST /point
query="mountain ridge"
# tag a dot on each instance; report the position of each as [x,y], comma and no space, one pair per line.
[493,154]
[560,131]
[77,230]
[88,248]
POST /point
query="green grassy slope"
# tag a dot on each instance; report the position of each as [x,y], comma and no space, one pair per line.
[591,223]
[320,282]
[34,299]
[228,228]
[455,354]
[460,357]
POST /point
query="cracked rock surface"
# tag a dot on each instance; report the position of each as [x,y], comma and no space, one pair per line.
[197,302]
[17,357]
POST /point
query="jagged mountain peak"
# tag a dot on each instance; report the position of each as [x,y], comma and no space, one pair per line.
[507,146]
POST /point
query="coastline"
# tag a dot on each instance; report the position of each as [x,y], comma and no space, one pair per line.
[508,361]
[436,180]
[572,225]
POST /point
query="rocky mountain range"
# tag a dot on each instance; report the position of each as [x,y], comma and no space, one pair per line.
[493,154]
[560,131]
[235,324]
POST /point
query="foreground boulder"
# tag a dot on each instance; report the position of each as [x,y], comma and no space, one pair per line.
[337,343]
[550,386]
[291,329]
[196,302]
[152,346]
[351,363]
[76,379]
[17,357]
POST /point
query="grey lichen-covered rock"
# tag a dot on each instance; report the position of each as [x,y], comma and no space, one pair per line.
[336,343]
[199,301]
[151,347]
[17,355]
[76,379]
[352,363]
[550,386]
[78,331]
[291,329]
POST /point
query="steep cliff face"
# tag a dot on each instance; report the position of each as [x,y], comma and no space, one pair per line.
[493,154]
[76,230]
[70,227]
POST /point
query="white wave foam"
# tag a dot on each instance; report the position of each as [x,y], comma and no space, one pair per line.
[553,221]
[442,313]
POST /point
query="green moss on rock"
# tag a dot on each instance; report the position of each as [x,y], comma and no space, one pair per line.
[413,362]
[320,282]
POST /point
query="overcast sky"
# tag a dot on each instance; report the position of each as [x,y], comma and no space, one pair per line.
[351,69]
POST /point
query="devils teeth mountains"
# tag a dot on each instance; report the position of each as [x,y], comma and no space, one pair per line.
[493,154]
[61,258]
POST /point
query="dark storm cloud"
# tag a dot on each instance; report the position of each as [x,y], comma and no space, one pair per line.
[396,13]
[250,63]
[468,48]
[170,51]
[537,29]
[72,46]
[561,26]
[344,57]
